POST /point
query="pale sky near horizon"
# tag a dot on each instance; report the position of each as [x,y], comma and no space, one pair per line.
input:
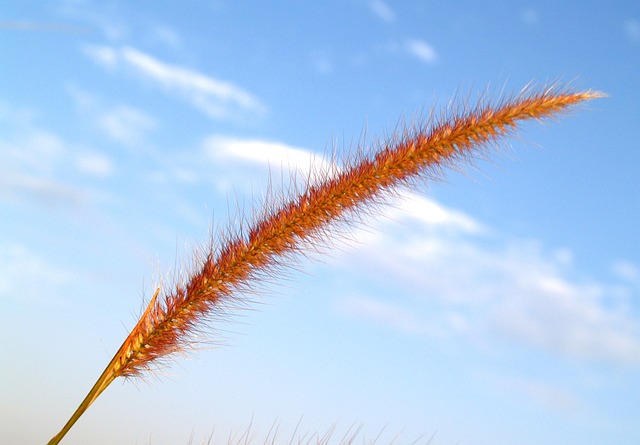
[501,305]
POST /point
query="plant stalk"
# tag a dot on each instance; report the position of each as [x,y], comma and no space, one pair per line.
[110,373]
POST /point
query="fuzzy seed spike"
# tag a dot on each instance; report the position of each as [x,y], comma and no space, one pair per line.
[284,228]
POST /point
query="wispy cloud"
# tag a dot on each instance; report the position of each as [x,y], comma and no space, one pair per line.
[632,29]
[33,150]
[104,17]
[383,10]
[485,282]
[422,50]
[41,27]
[215,98]
[511,287]
[44,192]
[529,16]
[543,394]
[428,211]
[94,164]
[36,163]
[126,125]
[568,318]
[627,271]
[18,266]
[106,56]
[384,313]
[165,35]
[259,151]
[322,61]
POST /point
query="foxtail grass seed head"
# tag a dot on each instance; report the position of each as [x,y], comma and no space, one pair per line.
[288,225]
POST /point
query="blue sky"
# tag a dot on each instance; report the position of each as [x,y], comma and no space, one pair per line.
[498,306]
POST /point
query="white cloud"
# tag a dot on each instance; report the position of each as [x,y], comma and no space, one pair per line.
[35,162]
[166,36]
[26,25]
[431,212]
[215,98]
[126,125]
[627,271]
[43,191]
[422,50]
[26,147]
[383,313]
[84,100]
[26,276]
[567,318]
[322,62]
[106,17]
[94,164]
[632,29]
[268,153]
[34,150]
[106,56]
[122,123]
[543,394]
[383,10]
[497,285]
[529,16]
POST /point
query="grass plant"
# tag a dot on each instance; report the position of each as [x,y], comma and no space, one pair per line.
[275,436]
[306,217]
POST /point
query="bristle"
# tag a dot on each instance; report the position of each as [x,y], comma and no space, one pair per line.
[285,229]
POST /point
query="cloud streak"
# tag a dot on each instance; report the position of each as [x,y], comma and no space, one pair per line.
[422,50]
[383,11]
[496,286]
[94,164]
[36,164]
[632,30]
[215,98]
[44,192]
[384,313]
[265,153]
[485,284]
[126,125]
[17,267]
